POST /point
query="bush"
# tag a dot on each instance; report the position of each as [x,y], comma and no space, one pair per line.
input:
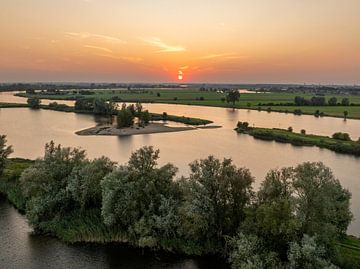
[341,136]
[303,131]
[290,129]
[34,102]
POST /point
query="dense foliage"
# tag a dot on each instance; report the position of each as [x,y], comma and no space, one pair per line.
[5,151]
[233,96]
[34,102]
[294,221]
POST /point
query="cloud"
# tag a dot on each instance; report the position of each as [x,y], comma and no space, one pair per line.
[98,48]
[222,56]
[157,42]
[213,56]
[123,58]
[86,35]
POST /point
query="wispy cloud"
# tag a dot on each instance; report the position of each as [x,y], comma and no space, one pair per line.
[157,42]
[219,55]
[122,58]
[86,35]
[98,48]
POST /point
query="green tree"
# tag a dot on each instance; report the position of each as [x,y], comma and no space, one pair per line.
[307,254]
[217,195]
[233,96]
[332,101]
[102,107]
[346,113]
[345,102]
[323,206]
[5,151]
[34,102]
[144,118]
[45,184]
[246,251]
[274,216]
[125,117]
[141,199]
[84,182]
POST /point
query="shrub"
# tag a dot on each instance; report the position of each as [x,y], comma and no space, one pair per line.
[341,136]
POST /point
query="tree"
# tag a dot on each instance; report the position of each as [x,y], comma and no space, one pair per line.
[45,184]
[345,102]
[303,131]
[125,117]
[217,195]
[341,136]
[332,101]
[273,218]
[346,113]
[247,252]
[84,104]
[299,101]
[34,102]
[323,206]
[5,151]
[317,101]
[102,107]
[296,201]
[307,254]
[233,96]
[139,197]
[144,117]
[84,182]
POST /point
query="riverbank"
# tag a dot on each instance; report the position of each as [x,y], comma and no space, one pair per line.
[151,128]
[271,102]
[297,139]
[153,116]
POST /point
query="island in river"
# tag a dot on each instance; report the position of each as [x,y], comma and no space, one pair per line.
[152,128]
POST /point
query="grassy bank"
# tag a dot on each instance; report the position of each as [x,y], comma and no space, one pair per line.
[9,182]
[264,101]
[154,116]
[285,136]
[12,105]
[349,249]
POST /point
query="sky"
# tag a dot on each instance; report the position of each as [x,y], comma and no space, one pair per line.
[204,41]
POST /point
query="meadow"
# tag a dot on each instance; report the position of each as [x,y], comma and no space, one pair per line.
[259,101]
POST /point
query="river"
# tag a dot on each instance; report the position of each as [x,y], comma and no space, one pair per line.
[28,130]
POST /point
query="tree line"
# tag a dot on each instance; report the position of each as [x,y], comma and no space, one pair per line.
[293,221]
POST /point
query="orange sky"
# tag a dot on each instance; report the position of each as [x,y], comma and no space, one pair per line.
[233,41]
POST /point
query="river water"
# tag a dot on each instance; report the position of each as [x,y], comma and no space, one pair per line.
[28,130]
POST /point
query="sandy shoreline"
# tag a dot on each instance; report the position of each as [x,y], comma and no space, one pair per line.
[152,128]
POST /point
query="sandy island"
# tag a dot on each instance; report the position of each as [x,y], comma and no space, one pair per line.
[152,128]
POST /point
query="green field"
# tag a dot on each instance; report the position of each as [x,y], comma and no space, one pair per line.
[211,98]
[349,249]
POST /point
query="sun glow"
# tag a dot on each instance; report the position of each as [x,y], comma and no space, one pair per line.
[180,75]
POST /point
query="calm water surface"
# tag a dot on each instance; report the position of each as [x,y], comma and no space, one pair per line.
[28,130]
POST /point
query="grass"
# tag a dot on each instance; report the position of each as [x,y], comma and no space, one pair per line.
[211,98]
[285,136]
[9,182]
[12,105]
[349,250]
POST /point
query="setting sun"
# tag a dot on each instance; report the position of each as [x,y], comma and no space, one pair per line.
[180,75]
